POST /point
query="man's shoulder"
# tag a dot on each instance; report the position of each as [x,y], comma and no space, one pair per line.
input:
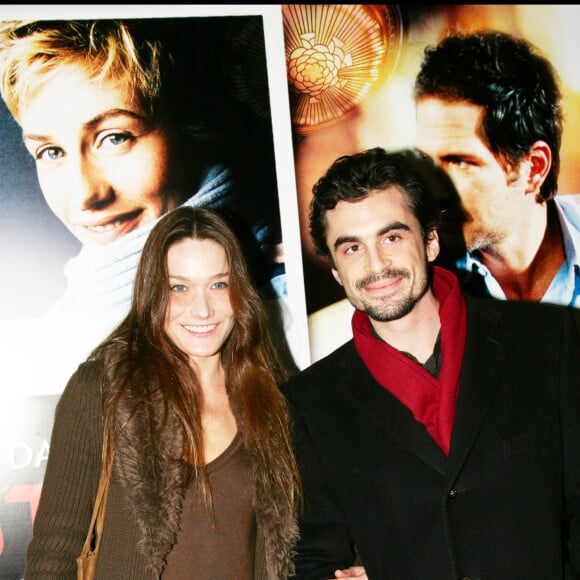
[569,205]
[568,199]
[522,314]
[324,370]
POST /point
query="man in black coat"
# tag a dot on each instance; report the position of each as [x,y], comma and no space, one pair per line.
[443,440]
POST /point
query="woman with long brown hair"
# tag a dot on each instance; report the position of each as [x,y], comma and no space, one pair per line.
[204,482]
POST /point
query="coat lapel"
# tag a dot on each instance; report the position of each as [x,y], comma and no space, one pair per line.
[486,353]
[387,412]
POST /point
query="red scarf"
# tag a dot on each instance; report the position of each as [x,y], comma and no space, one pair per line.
[431,400]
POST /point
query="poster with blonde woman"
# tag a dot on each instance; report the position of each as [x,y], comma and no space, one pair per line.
[108,121]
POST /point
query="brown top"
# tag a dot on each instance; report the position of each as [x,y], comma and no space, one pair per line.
[226,549]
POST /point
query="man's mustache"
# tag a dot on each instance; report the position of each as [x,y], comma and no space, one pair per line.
[384,275]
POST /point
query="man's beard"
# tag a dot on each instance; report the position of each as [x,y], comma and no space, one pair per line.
[390,310]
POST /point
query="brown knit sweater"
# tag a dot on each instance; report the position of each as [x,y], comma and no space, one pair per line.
[69,489]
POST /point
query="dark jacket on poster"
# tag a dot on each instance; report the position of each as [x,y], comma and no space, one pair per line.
[71,482]
[497,508]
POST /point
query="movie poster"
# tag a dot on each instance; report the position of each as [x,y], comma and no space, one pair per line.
[351,70]
[289,88]
[69,215]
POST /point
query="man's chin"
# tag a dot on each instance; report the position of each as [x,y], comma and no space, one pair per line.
[389,315]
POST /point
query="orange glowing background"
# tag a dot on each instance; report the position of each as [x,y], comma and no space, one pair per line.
[339,109]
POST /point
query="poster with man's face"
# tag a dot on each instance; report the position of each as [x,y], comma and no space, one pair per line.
[351,73]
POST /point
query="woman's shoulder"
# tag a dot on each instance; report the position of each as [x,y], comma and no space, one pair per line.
[85,388]
[91,370]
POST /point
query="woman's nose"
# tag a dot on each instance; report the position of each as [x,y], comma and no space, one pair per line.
[87,184]
[200,305]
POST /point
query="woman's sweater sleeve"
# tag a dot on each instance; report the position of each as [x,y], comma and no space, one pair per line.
[71,478]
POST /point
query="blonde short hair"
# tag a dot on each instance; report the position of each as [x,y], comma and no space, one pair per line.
[111,51]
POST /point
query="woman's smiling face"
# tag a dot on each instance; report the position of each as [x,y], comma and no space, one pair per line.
[199,315]
[104,165]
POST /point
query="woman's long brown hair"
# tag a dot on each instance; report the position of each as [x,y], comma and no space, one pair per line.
[155,387]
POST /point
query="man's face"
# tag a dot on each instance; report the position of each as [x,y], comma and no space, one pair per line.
[104,167]
[450,132]
[379,254]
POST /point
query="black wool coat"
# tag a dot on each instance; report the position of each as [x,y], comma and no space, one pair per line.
[505,504]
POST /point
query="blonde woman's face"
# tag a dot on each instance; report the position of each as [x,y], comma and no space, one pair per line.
[105,167]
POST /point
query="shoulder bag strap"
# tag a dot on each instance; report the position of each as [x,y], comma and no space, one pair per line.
[98,517]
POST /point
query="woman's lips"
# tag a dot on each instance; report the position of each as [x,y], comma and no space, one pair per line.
[110,228]
[200,329]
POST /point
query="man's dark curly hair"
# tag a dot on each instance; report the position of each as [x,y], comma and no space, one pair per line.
[354,177]
[511,80]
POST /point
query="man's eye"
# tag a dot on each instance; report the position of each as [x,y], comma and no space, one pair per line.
[457,162]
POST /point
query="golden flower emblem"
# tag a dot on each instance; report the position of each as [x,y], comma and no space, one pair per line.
[315,67]
[335,54]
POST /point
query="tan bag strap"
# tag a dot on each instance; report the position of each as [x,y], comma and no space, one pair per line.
[98,517]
